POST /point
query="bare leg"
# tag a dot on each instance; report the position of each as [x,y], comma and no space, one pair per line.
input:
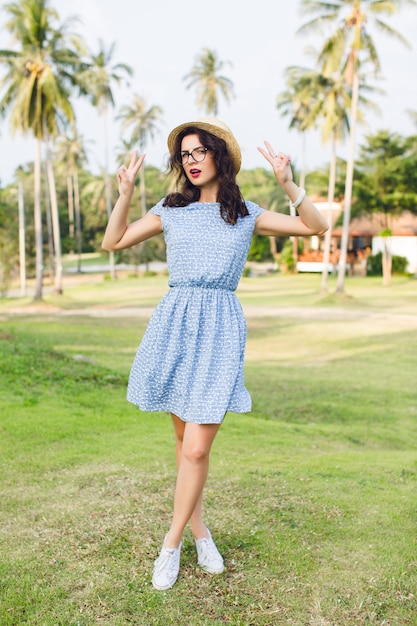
[198,527]
[193,454]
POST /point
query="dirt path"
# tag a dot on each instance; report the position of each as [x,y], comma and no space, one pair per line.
[250,311]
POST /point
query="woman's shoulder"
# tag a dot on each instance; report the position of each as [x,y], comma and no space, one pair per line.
[159,208]
[254,209]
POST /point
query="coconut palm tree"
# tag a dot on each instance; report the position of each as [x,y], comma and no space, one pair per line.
[143,124]
[351,40]
[327,101]
[124,150]
[413,115]
[330,110]
[95,191]
[334,105]
[22,237]
[71,155]
[205,76]
[296,103]
[37,87]
[98,80]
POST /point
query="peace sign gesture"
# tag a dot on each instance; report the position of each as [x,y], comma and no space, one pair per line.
[126,176]
[280,163]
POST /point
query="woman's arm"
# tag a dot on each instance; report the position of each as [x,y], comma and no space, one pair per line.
[309,222]
[119,234]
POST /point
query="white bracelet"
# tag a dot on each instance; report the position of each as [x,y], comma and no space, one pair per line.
[299,200]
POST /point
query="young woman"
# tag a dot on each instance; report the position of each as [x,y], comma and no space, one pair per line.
[190,361]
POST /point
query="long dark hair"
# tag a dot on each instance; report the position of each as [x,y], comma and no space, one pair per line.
[232,204]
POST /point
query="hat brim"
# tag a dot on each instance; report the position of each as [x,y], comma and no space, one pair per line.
[231,143]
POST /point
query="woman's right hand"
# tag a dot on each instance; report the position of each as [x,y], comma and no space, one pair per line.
[126,176]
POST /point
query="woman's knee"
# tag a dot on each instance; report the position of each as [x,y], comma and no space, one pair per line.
[195,453]
[198,439]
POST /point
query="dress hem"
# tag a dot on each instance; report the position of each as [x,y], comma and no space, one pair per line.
[163,409]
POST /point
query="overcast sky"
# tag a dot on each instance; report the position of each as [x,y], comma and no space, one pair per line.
[161,39]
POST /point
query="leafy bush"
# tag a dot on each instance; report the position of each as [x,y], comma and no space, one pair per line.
[286,258]
[260,249]
[374,264]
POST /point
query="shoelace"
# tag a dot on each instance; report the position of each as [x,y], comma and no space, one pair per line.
[208,549]
[166,560]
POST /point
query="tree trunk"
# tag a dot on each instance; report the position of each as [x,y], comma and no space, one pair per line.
[108,188]
[386,262]
[70,206]
[340,285]
[302,185]
[303,160]
[22,250]
[38,223]
[78,232]
[55,223]
[142,190]
[49,228]
[330,200]
[273,247]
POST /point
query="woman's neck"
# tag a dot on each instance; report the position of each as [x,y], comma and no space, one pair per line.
[207,199]
[208,194]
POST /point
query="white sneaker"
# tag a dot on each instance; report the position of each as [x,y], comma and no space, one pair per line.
[209,558]
[167,567]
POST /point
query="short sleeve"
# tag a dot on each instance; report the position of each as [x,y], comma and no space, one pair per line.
[158,209]
[254,209]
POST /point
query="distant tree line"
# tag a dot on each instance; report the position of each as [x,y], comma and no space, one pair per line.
[65,207]
[385,182]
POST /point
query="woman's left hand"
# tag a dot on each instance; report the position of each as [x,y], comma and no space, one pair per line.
[281,163]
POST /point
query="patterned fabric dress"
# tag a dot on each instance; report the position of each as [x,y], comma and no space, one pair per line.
[190,360]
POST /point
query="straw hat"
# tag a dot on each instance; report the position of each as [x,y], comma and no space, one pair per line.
[215,127]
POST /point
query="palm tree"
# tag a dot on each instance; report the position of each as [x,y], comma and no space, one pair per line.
[326,99]
[334,105]
[205,76]
[142,121]
[124,150]
[296,102]
[352,41]
[413,115]
[22,238]
[95,191]
[98,80]
[71,155]
[38,81]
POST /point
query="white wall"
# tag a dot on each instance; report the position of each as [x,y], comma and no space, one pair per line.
[400,246]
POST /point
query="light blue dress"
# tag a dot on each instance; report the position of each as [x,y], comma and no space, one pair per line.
[190,360]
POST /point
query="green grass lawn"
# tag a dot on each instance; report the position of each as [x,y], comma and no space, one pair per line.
[311,497]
